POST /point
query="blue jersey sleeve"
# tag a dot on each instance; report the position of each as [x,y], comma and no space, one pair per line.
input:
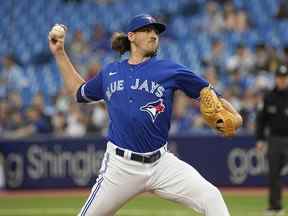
[190,83]
[92,90]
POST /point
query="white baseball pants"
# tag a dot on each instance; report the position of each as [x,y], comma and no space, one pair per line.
[121,179]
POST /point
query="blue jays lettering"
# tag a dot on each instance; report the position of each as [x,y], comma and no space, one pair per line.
[148,86]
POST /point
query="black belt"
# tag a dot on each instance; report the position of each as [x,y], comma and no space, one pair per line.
[140,158]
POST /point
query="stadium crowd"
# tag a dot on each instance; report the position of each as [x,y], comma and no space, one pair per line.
[241,76]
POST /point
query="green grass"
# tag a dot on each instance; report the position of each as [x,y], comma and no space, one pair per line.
[147,205]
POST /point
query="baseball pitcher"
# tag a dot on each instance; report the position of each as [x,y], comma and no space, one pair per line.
[139,93]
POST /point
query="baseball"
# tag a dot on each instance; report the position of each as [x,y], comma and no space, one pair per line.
[58,31]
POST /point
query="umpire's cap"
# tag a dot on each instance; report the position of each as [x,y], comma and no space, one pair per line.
[282,70]
[143,20]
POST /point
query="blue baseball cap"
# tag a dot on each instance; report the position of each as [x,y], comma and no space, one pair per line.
[143,20]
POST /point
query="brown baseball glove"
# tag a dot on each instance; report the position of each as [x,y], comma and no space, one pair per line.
[215,114]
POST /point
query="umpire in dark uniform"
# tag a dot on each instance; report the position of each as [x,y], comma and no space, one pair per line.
[272,125]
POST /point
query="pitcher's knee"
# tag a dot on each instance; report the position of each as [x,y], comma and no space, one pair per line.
[214,203]
[210,197]
[215,195]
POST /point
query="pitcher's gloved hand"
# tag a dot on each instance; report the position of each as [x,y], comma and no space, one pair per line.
[215,114]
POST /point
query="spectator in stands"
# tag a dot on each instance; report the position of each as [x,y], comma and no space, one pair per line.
[261,58]
[12,75]
[243,60]
[285,55]
[76,122]
[35,124]
[282,12]
[3,86]
[79,50]
[78,45]
[211,75]
[37,121]
[274,59]
[15,121]
[237,83]
[12,112]
[14,100]
[199,124]
[93,69]
[262,81]
[249,102]
[241,22]
[62,101]
[217,57]
[3,115]
[266,60]
[38,102]
[180,120]
[190,8]
[98,41]
[214,21]
[99,119]
[235,100]
[59,124]
[229,14]
[186,117]
[45,110]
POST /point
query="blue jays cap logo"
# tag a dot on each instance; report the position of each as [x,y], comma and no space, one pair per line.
[143,20]
[154,108]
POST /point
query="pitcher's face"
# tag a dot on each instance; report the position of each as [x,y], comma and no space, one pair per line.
[146,40]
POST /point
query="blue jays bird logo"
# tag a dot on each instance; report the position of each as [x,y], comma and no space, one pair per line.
[154,108]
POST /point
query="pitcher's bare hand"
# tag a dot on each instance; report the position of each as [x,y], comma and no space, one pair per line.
[56,38]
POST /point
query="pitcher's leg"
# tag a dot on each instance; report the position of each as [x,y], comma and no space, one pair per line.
[113,188]
[178,181]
